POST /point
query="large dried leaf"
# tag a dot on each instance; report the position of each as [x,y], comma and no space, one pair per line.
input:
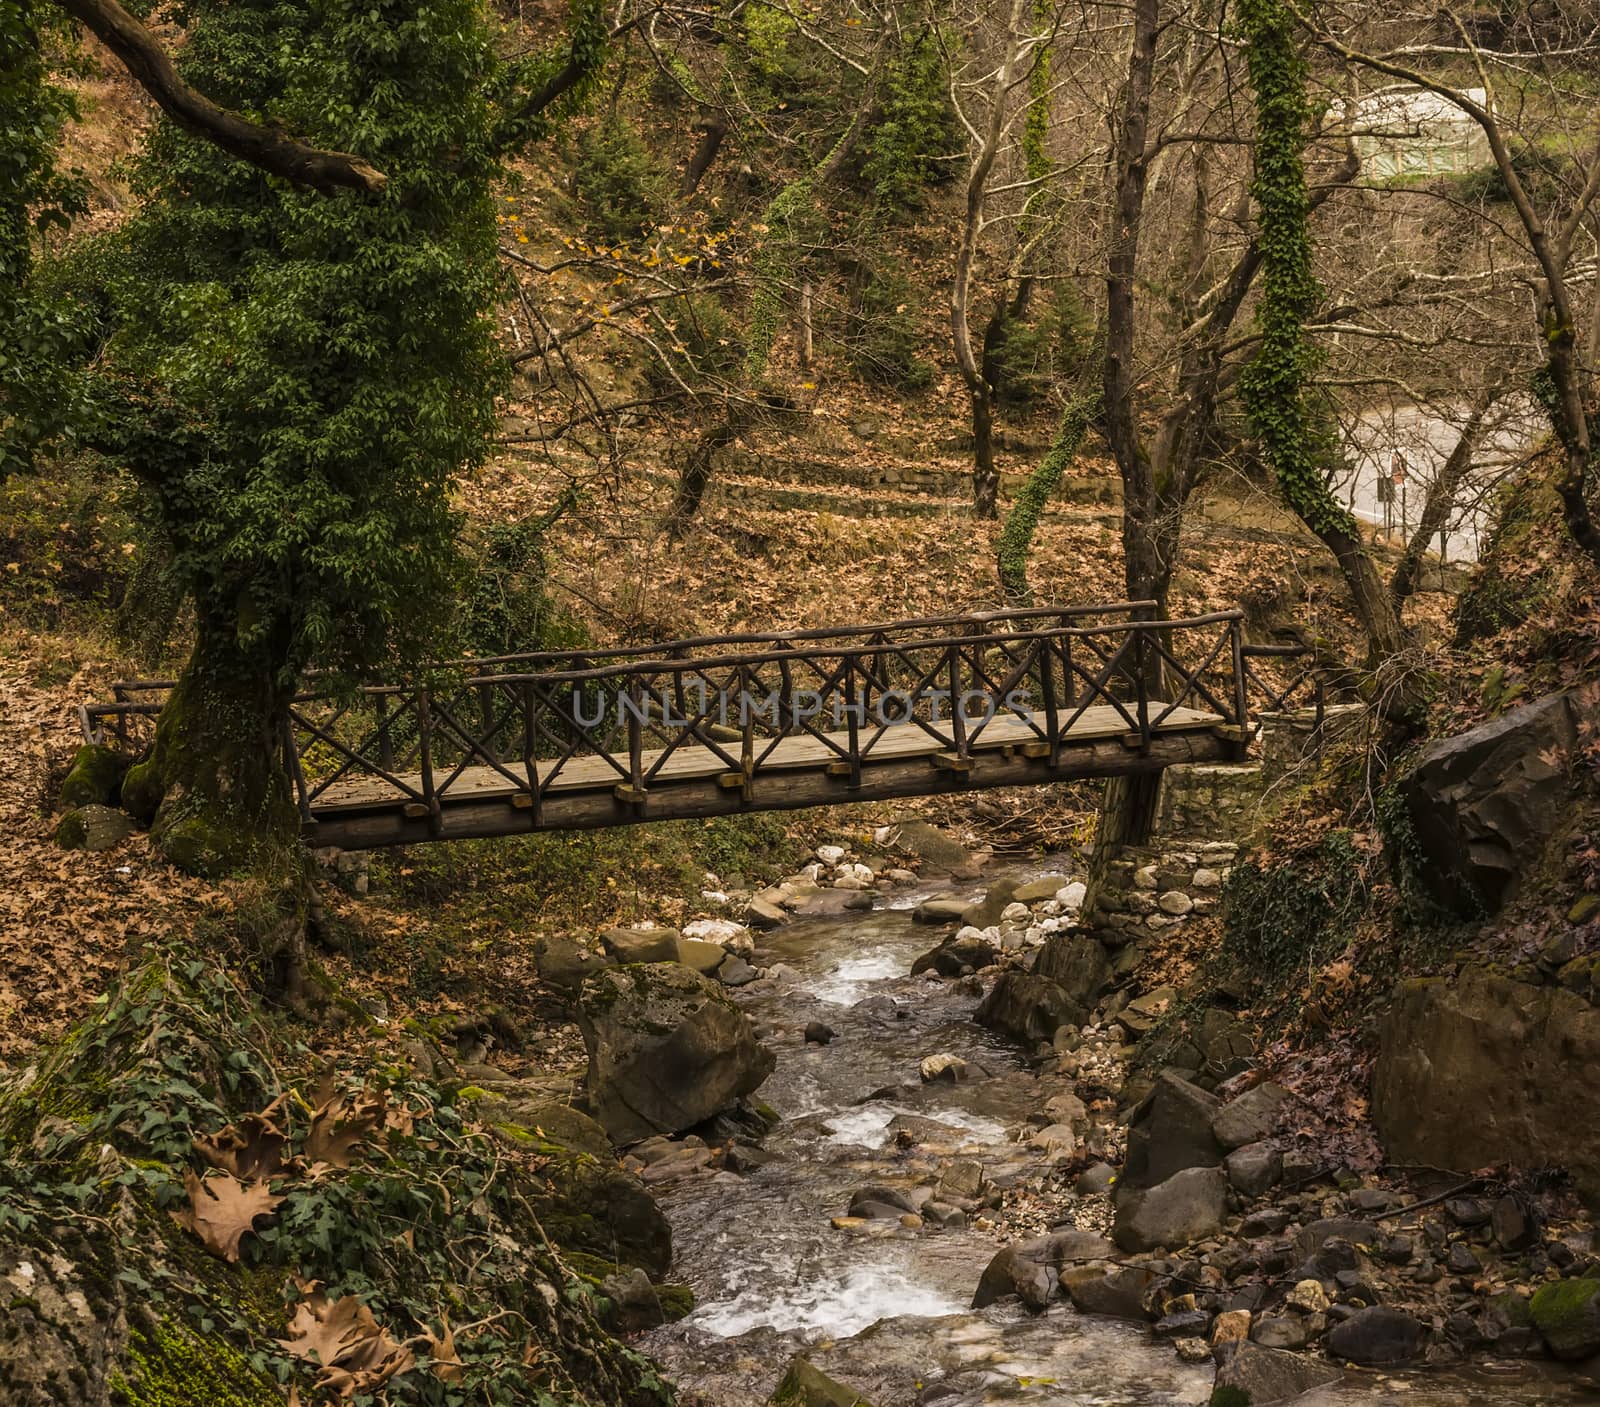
[354,1352]
[442,1356]
[338,1128]
[250,1149]
[222,1209]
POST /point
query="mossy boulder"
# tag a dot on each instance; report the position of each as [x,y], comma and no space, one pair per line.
[588,1203]
[805,1385]
[93,828]
[142,791]
[95,777]
[1567,1316]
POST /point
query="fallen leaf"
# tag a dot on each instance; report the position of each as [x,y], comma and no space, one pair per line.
[222,1209]
[354,1351]
[337,1129]
[249,1149]
[442,1356]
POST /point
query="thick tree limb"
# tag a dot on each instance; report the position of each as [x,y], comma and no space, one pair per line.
[260,146]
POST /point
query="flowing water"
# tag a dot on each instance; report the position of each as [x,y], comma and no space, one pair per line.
[887,1311]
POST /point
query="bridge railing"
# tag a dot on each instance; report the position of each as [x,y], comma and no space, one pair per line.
[837,700]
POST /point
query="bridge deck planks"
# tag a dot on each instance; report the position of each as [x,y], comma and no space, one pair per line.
[799,753]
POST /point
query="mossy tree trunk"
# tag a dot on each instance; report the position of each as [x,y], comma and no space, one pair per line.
[226,803]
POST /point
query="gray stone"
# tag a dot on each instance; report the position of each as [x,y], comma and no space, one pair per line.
[1268,1376]
[1254,1169]
[1095,1180]
[1280,1331]
[1379,1337]
[764,913]
[1077,963]
[642,944]
[94,828]
[1036,891]
[1250,1117]
[1483,803]
[666,1050]
[1011,1273]
[1117,1294]
[1187,1207]
[1028,1008]
[564,965]
[1175,902]
[1171,1132]
[736,972]
[943,910]
[705,958]
[986,912]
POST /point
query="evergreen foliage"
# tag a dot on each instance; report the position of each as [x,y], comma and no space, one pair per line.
[916,128]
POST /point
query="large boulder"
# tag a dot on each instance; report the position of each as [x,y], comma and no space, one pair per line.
[666,1049]
[1250,1117]
[1379,1337]
[1172,1131]
[1028,1008]
[1484,802]
[1516,1055]
[1033,1269]
[641,944]
[1264,1377]
[986,912]
[1077,963]
[1567,1315]
[939,852]
[1188,1206]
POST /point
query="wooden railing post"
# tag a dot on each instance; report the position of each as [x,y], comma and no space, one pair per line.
[1241,695]
[530,740]
[485,693]
[1047,678]
[430,798]
[1141,650]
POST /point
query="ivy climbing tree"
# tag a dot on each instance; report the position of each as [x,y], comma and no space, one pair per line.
[297,376]
[1294,440]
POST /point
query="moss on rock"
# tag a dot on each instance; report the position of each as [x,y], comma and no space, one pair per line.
[1567,1315]
[142,791]
[95,778]
[169,1367]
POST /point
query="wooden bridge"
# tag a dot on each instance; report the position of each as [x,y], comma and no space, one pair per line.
[722,724]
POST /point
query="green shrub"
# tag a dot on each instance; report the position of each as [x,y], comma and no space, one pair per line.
[883,334]
[509,608]
[915,128]
[1031,355]
[621,190]
[1297,913]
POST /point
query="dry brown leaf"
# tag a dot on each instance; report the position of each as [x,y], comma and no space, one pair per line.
[337,1129]
[222,1209]
[443,1359]
[250,1149]
[354,1352]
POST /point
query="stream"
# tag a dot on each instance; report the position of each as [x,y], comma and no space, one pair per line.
[885,1309]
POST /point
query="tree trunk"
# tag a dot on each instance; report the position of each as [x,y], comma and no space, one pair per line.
[712,132]
[985,482]
[226,802]
[696,475]
[1441,498]
[1373,602]
[222,802]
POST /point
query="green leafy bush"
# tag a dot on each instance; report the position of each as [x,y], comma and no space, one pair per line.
[916,127]
[883,334]
[619,186]
[1297,913]
[1031,355]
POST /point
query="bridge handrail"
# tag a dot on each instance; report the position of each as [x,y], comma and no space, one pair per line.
[634,652]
